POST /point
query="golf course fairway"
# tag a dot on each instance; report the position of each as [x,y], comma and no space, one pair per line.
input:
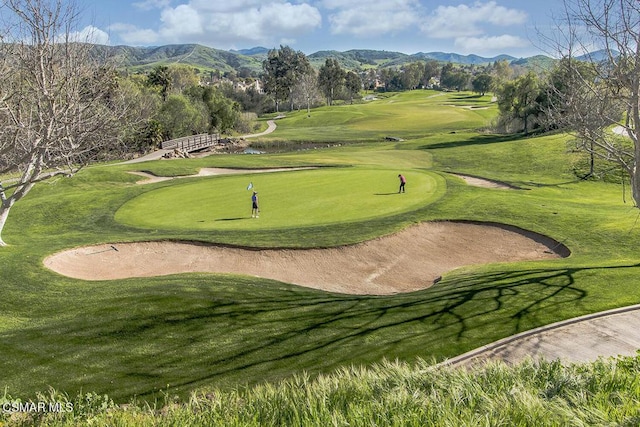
[178,332]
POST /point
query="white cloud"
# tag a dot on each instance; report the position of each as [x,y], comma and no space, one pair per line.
[373,17]
[182,21]
[152,4]
[489,43]
[468,21]
[292,19]
[228,24]
[231,6]
[220,23]
[90,34]
[132,35]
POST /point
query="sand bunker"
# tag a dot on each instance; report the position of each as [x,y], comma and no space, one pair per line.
[407,261]
[483,182]
[150,178]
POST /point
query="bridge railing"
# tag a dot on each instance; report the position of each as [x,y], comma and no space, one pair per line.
[191,142]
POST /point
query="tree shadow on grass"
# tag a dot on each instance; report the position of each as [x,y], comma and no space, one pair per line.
[473,96]
[235,330]
[555,184]
[474,140]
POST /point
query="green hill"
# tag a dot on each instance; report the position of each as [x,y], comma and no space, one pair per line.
[460,59]
[538,62]
[207,58]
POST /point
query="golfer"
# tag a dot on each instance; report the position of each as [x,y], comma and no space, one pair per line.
[403,181]
[255,210]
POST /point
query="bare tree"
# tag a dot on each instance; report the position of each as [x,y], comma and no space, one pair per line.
[599,43]
[307,91]
[58,105]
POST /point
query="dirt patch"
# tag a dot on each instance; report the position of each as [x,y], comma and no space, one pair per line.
[485,183]
[150,178]
[409,260]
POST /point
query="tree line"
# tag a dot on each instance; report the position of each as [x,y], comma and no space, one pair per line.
[290,80]
[289,77]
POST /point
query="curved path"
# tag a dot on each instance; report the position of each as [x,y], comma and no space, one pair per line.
[582,339]
[156,155]
[271,126]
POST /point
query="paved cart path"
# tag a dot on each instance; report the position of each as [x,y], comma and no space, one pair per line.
[582,339]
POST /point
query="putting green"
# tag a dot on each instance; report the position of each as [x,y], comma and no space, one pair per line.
[287,199]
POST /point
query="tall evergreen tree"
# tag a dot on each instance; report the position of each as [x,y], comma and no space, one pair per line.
[160,76]
[283,69]
[353,84]
[330,78]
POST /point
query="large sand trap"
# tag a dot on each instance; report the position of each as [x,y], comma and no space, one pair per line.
[409,260]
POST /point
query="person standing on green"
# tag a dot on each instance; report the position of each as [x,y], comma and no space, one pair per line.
[403,181]
[255,209]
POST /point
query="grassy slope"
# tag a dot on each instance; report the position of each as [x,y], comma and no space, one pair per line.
[392,394]
[136,337]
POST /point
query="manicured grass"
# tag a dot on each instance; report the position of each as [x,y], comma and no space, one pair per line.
[406,115]
[140,337]
[286,199]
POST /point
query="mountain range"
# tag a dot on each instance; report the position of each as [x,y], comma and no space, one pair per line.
[209,59]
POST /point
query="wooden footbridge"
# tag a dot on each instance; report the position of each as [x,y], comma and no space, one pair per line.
[192,142]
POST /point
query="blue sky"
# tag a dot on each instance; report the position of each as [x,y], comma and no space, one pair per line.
[483,27]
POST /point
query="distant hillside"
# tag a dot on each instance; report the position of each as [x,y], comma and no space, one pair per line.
[460,59]
[259,50]
[356,58]
[537,63]
[597,56]
[207,59]
[376,58]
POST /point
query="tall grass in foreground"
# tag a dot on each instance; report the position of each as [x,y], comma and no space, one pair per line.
[606,392]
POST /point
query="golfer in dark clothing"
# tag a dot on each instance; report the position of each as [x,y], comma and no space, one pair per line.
[255,210]
[403,181]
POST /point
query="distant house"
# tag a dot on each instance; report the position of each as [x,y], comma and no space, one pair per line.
[433,82]
[378,84]
[244,86]
[215,79]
